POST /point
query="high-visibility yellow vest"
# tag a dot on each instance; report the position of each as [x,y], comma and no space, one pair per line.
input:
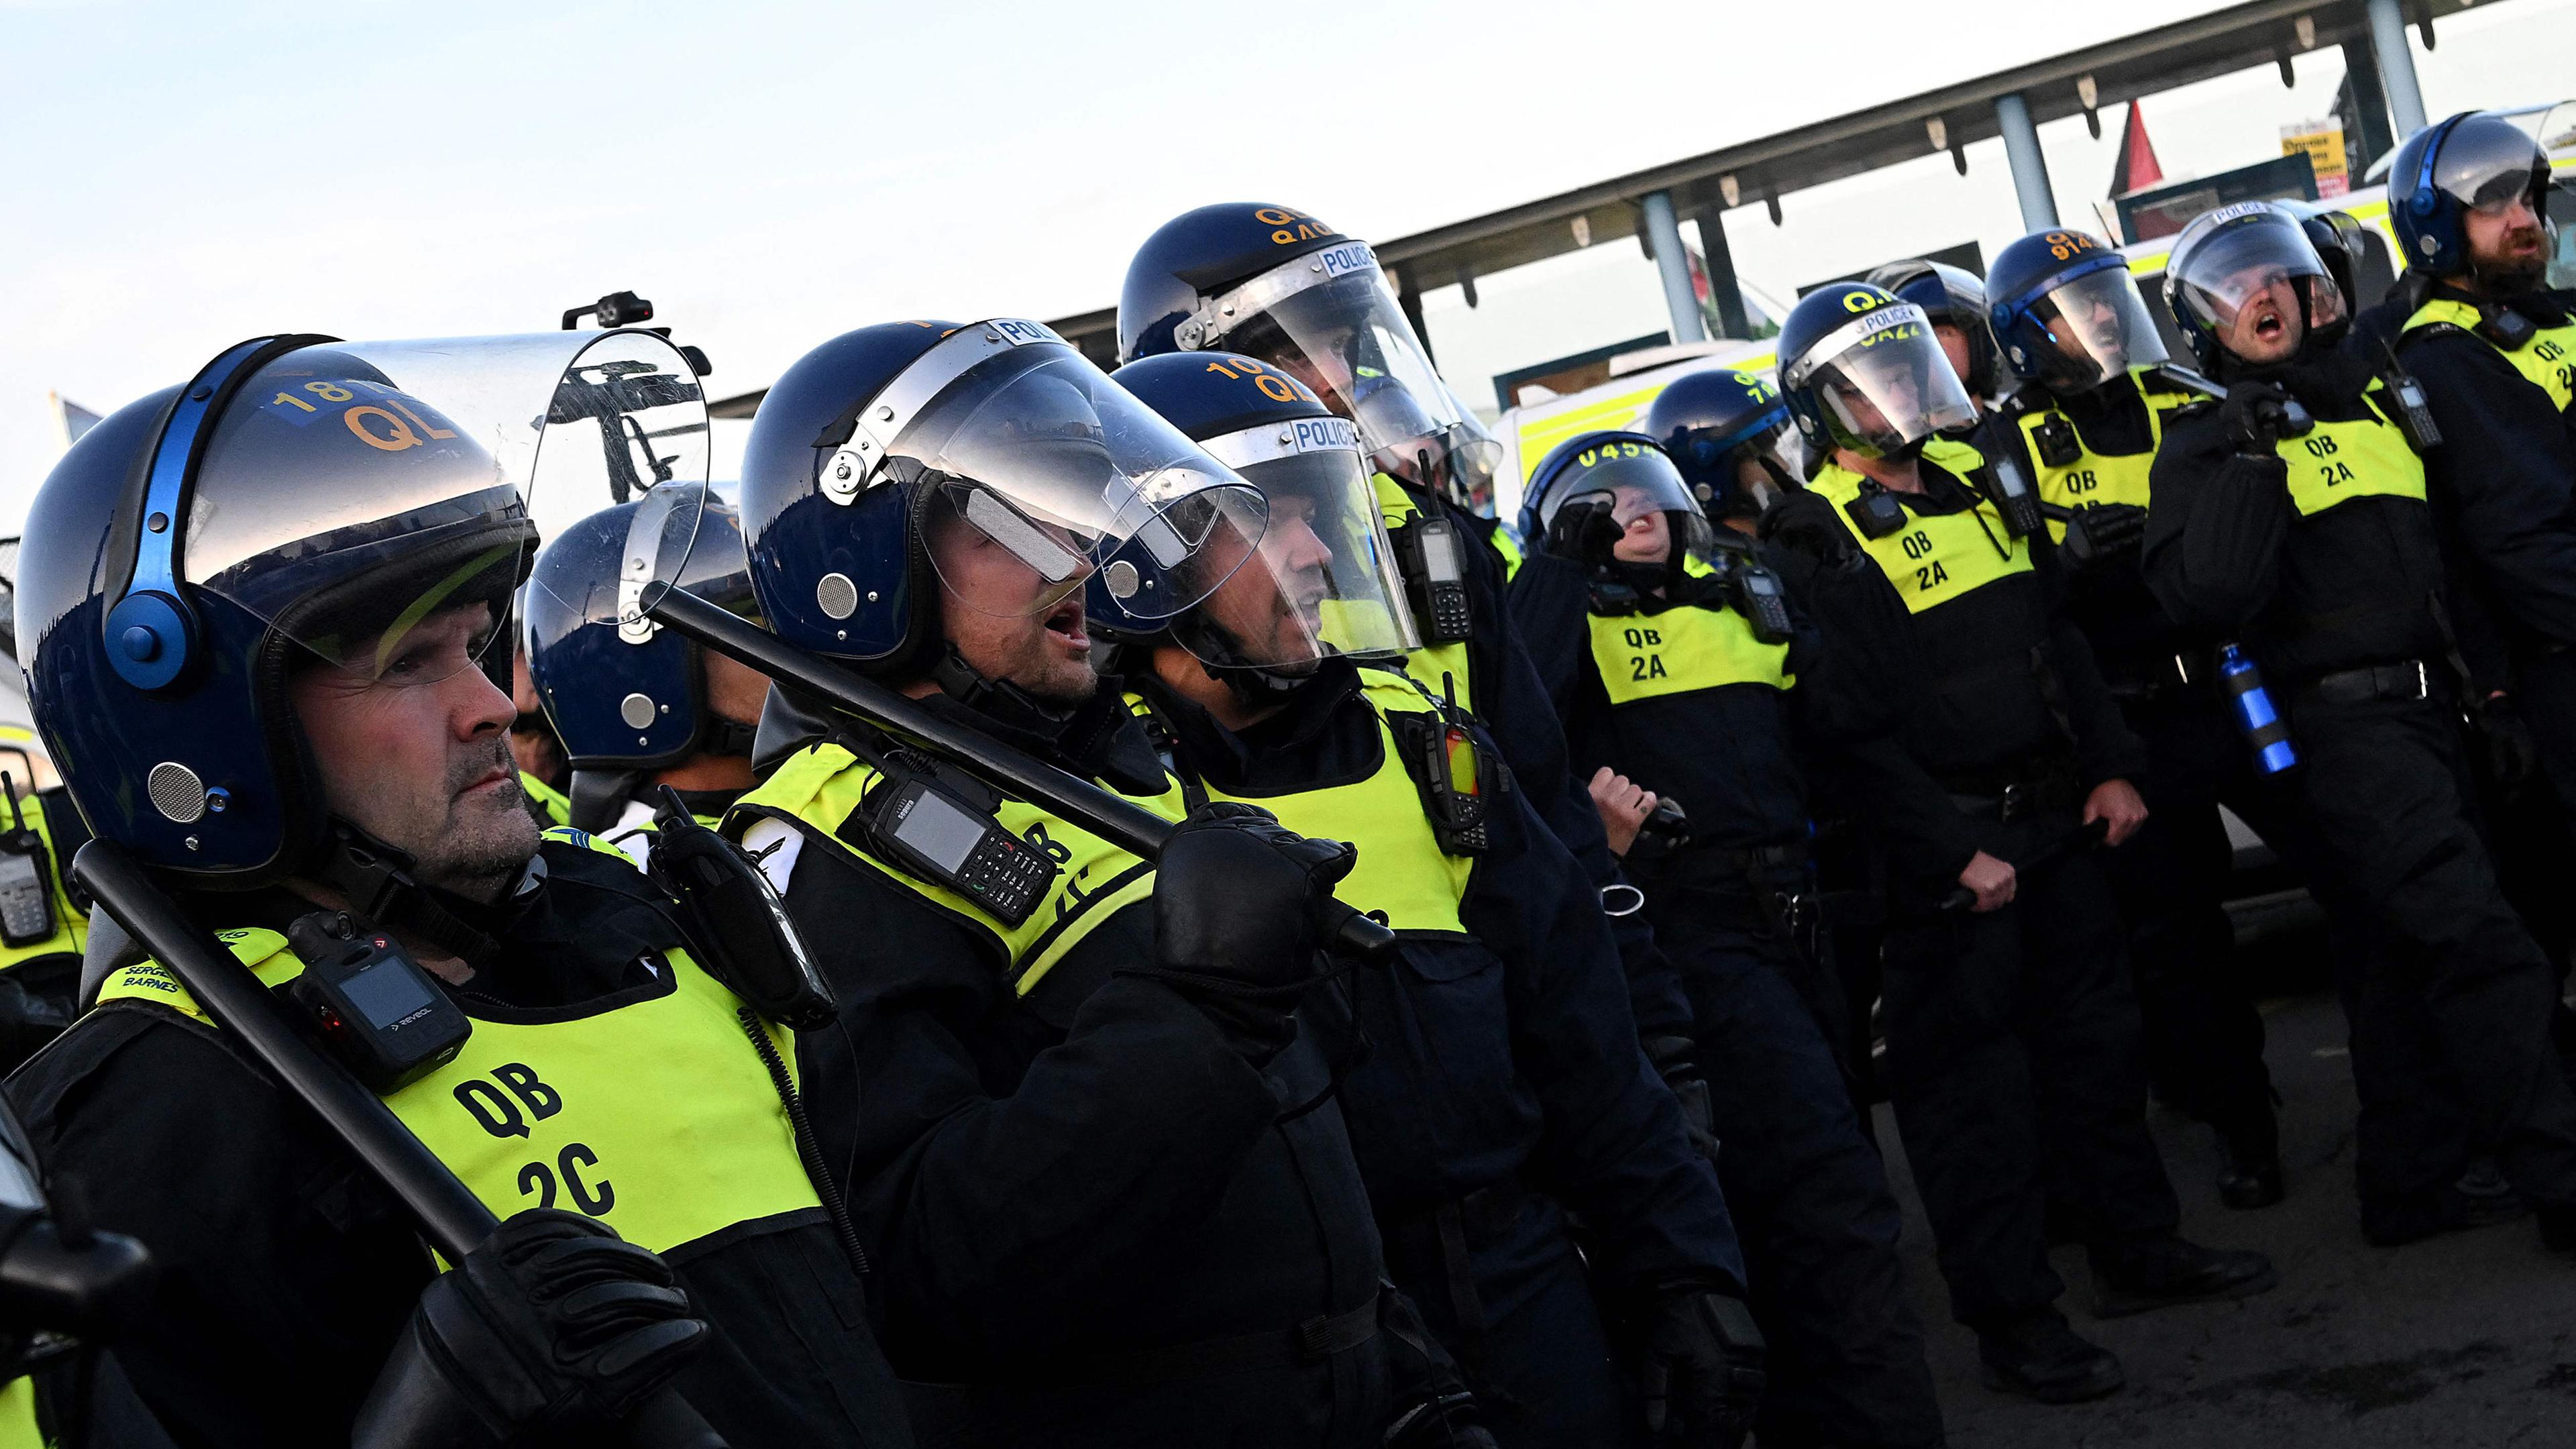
[2547,361]
[2335,463]
[1935,558]
[820,787]
[654,1114]
[2095,477]
[1402,871]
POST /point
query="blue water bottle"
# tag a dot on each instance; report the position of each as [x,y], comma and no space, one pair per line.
[2264,729]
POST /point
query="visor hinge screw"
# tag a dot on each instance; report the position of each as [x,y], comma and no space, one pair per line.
[885,414]
[1287,437]
[1229,309]
[158,523]
[872,596]
[190,842]
[218,800]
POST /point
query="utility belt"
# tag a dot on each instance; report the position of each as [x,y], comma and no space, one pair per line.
[2405,680]
[2165,676]
[2006,797]
[1313,1341]
[1487,1215]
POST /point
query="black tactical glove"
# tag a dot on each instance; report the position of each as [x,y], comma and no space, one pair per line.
[2512,755]
[552,1328]
[1805,522]
[1702,1374]
[1676,1060]
[2097,531]
[1434,1410]
[1238,901]
[1584,530]
[2258,415]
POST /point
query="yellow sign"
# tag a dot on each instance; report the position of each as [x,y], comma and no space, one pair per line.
[2323,141]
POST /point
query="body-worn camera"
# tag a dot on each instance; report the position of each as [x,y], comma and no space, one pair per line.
[379,1012]
[1876,512]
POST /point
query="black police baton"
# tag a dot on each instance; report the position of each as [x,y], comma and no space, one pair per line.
[2082,837]
[449,1214]
[1122,823]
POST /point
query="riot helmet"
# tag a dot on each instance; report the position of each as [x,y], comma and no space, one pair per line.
[2245,280]
[1730,434]
[301,502]
[1862,371]
[1279,286]
[2066,312]
[1615,502]
[2474,161]
[2337,238]
[1323,579]
[989,463]
[1952,297]
[623,693]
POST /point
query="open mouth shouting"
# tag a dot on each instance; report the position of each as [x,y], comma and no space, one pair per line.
[1064,625]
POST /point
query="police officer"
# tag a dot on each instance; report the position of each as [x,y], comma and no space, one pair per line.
[1732,438]
[1955,301]
[266,673]
[1280,286]
[636,706]
[1503,1090]
[2012,1039]
[1691,662]
[2309,532]
[2092,393]
[2492,349]
[1101,1215]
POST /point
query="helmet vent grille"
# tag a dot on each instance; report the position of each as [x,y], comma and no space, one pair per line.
[176,791]
[836,595]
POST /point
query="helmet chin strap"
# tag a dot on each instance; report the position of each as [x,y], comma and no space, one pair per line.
[722,736]
[998,698]
[1254,686]
[377,882]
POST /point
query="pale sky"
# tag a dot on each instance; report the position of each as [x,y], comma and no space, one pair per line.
[181,176]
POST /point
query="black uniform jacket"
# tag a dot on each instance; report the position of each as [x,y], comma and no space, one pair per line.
[1508,697]
[2355,584]
[286,1272]
[1991,687]
[1086,1171]
[1727,752]
[2131,634]
[1508,1054]
[2504,478]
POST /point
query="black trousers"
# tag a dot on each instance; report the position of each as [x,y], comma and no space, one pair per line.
[2202,1037]
[2013,1064]
[1805,1185]
[2451,1044]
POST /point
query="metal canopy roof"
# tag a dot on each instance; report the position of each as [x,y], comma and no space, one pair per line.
[1761,171]
[2224,41]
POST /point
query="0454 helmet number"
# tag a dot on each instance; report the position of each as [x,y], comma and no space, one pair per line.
[377,427]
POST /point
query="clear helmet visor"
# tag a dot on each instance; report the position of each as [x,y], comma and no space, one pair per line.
[1763,467]
[1331,320]
[2250,279]
[1884,379]
[1645,494]
[2099,326]
[2487,163]
[377,502]
[1041,472]
[1321,580]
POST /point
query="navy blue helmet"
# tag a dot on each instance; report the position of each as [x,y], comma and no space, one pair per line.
[1595,491]
[2473,161]
[2228,257]
[879,439]
[1863,371]
[2066,312]
[293,502]
[1326,581]
[1730,433]
[1951,297]
[622,692]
